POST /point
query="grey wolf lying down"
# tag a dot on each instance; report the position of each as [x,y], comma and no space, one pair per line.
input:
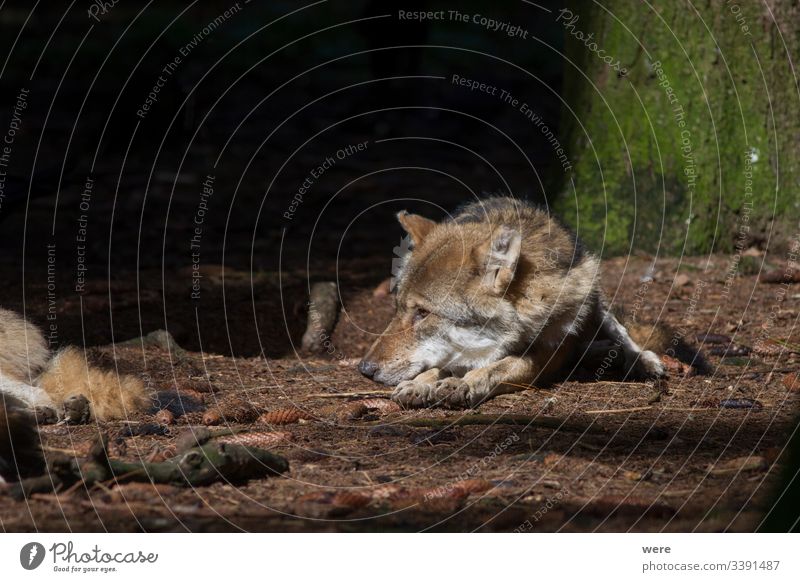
[497,298]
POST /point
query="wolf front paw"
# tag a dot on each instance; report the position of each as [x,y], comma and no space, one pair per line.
[413,394]
[449,392]
[649,365]
[77,409]
[455,393]
[46,415]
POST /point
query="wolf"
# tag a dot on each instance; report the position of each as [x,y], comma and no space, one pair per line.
[37,385]
[495,299]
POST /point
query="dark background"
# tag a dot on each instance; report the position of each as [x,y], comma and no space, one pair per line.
[262,100]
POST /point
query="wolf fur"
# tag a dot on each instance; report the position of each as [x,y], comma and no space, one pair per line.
[39,386]
[497,298]
[48,381]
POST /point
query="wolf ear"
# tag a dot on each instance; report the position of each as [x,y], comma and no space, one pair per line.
[501,258]
[415,225]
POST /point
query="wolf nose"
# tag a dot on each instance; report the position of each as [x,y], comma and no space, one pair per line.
[368,368]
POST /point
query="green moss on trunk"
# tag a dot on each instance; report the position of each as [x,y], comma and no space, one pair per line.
[696,147]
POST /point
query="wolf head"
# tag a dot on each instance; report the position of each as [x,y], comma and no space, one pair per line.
[454,295]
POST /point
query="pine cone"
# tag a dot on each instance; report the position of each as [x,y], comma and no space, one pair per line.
[282,416]
[262,440]
[232,412]
[165,417]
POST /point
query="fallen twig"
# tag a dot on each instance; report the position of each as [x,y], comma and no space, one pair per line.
[552,422]
[619,410]
[751,371]
[197,466]
[617,383]
[367,394]
[664,409]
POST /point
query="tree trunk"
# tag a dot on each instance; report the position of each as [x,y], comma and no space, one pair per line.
[683,120]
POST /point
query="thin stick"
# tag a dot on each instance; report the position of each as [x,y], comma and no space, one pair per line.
[619,410]
[597,383]
[525,386]
[611,383]
[665,409]
[551,422]
[743,372]
[367,394]
[709,409]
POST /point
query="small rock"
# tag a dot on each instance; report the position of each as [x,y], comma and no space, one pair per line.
[160,338]
[682,280]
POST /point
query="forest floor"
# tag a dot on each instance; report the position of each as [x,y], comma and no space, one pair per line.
[692,453]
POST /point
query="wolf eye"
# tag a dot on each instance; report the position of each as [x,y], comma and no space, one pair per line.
[420,314]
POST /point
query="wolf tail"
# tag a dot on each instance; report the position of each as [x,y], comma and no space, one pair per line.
[110,395]
[20,451]
[663,340]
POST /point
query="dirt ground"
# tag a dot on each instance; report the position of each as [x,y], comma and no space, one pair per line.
[689,454]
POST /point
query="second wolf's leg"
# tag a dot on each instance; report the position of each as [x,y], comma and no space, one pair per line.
[640,363]
[33,396]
